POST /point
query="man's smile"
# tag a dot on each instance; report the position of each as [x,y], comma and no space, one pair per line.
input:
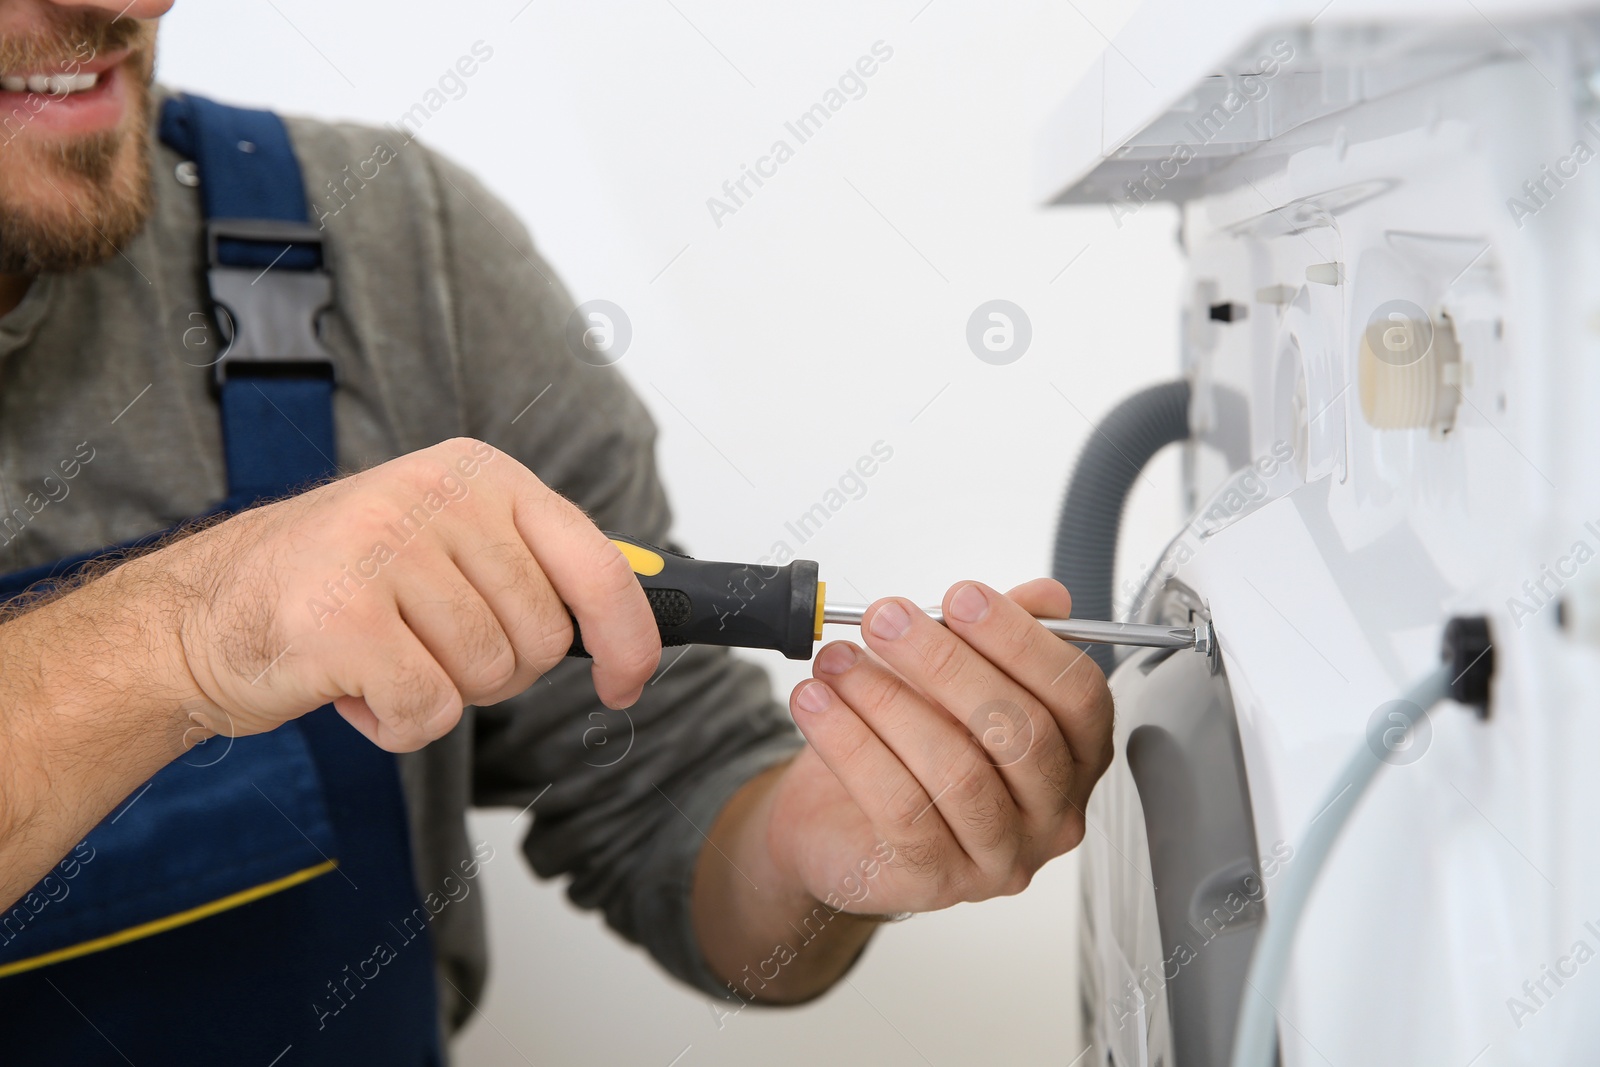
[78,97]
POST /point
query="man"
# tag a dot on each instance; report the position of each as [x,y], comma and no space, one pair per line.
[947,765]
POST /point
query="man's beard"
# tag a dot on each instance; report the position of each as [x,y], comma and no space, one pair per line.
[71,202]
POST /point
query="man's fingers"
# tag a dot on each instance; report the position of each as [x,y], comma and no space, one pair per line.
[962,781]
[532,616]
[1056,672]
[1065,681]
[1075,692]
[1017,734]
[397,694]
[598,585]
[895,802]
[459,630]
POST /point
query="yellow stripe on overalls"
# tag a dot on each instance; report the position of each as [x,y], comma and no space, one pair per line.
[158,926]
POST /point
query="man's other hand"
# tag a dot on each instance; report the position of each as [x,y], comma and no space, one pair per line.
[399,594]
[948,763]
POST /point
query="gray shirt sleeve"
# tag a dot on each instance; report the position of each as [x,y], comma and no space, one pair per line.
[621,800]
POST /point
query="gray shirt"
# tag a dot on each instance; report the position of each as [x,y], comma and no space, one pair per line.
[445,322]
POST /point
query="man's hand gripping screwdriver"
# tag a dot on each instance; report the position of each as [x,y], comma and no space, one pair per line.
[748,605]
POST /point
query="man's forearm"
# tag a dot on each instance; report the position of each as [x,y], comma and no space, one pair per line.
[761,932]
[91,705]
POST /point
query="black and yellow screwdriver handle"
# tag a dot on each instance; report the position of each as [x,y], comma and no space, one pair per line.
[741,605]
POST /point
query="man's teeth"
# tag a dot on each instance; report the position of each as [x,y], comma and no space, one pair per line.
[53,84]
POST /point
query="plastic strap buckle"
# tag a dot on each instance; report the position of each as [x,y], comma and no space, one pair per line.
[268,317]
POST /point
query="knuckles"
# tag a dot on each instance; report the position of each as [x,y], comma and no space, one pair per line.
[926,860]
[853,752]
[490,660]
[975,781]
[877,690]
[552,643]
[1018,639]
[906,805]
[1055,769]
[992,827]
[945,657]
[416,708]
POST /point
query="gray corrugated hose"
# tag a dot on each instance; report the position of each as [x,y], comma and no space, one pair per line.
[1091,515]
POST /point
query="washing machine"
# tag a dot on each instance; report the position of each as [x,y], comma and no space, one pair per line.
[1388,408]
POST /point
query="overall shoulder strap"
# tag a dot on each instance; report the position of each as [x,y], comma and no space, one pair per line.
[267,280]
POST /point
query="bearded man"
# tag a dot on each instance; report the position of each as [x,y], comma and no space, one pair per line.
[294,565]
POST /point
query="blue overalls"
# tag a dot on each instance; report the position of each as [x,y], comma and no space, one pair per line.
[254,902]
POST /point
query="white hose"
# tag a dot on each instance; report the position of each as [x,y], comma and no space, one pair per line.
[1255,1037]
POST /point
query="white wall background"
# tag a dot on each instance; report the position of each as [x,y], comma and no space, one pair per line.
[827,314]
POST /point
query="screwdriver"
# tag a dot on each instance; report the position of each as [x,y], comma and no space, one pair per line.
[751,605]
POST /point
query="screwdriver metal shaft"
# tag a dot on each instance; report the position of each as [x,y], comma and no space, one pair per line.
[783,608]
[1092,630]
